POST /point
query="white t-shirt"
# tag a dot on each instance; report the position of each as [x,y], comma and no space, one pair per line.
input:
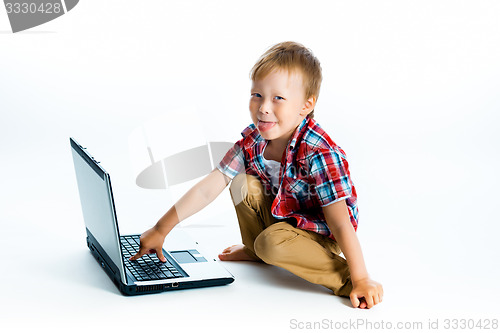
[273,171]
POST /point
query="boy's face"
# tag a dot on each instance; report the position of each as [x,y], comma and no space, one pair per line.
[277,104]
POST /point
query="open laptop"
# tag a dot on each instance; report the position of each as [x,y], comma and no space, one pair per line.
[186,266]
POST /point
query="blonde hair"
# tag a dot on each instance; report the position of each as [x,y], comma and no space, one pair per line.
[291,56]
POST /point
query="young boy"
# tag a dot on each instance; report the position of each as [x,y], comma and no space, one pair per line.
[291,187]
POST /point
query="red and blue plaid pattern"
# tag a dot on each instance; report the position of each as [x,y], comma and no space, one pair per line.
[314,173]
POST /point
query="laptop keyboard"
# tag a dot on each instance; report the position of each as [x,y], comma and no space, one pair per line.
[148,267]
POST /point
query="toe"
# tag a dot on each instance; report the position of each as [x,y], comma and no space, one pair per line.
[228,249]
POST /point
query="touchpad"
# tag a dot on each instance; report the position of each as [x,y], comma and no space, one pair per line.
[183,257]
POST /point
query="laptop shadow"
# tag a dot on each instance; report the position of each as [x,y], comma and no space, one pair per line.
[82,269]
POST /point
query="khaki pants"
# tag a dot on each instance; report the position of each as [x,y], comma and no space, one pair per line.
[307,254]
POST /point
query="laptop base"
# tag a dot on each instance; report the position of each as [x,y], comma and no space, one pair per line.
[132,289]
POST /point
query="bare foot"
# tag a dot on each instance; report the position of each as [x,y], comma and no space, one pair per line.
[235,253]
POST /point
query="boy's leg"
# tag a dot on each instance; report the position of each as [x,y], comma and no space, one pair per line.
[253,209]
[307,254]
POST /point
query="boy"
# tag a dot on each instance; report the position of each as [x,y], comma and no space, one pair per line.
[291,187]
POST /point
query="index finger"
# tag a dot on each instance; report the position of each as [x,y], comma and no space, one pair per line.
[369,301]
[139,254]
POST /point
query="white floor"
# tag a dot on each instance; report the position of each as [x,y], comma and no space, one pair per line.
[429,272]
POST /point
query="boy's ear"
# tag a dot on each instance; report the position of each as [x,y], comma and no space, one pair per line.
[308,106]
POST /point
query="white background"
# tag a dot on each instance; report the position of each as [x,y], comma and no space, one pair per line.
[410,92]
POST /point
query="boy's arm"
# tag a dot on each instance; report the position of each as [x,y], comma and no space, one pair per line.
[337,218]
[197,198]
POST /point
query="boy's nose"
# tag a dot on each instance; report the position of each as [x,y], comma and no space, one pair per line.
[264,108]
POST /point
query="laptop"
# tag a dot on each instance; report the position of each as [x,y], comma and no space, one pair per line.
[186,266]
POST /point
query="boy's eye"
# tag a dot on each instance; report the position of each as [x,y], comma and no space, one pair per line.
[256,95]
[278,97]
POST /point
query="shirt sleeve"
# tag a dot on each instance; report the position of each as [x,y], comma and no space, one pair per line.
[233,162]
[330,175]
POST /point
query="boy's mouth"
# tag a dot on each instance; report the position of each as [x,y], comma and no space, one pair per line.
[265,125]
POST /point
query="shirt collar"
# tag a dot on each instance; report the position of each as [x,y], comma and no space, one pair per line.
[298,132]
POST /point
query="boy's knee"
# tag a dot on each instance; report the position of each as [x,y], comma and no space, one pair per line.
[271,244]
[245,187]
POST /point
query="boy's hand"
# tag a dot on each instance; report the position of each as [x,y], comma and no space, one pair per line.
[151,242]
[366,293]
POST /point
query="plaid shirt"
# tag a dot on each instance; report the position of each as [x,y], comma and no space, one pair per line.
[314,173]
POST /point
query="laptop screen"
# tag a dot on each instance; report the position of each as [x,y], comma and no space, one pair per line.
[97,204]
